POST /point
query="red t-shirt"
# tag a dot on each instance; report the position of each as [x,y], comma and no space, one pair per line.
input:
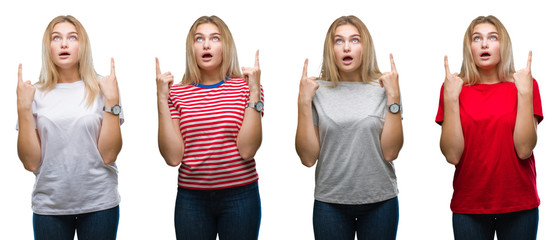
[210,119]
[490,178]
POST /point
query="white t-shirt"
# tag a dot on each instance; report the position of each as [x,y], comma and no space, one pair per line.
[72,177]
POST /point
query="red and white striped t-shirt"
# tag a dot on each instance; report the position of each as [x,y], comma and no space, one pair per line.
[210,119]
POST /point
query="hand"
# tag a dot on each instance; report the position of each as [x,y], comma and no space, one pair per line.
[389,80]
[25,91]
[308,86]
[523,77]
[452,83]
[164,82]
[109,85]
[252,74]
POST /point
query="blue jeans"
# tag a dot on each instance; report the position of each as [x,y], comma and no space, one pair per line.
[370,221]
[521,225]
[233,213]
[100,225]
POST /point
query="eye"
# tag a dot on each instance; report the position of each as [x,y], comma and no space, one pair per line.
[355,40]
[215,39]
[493,38]
[56,38]
[73,38]
[199,39]
[477,39]
[339,41]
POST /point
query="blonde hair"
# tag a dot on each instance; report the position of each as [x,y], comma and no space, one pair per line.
[49,73]
[369,67]
[469,71]
[230,63]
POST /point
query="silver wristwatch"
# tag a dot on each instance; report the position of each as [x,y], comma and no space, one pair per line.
[258,106]
[115,110]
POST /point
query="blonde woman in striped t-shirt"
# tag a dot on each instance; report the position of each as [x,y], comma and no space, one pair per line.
[210,125]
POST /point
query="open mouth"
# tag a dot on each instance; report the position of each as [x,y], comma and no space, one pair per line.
[206,56]
[347,59]
[485,54]
[64,54]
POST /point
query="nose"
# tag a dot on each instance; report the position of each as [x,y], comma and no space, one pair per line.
[64,43]
[347,46]
[484,43]
[206,44]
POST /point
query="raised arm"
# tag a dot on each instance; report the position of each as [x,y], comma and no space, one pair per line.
[28,141]
[171,145]
[250,135]
[110,138]
[307,141]
[525,136]
[392,137]
[452,137]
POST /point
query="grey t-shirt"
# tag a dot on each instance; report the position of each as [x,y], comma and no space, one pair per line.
[72,177]
[351,168]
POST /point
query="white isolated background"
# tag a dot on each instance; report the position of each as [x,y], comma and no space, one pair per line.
[418,33]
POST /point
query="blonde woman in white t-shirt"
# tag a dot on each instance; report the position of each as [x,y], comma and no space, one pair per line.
[69,137]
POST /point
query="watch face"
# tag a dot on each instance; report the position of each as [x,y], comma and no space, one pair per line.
[394,108]
[116,109]
[259,106]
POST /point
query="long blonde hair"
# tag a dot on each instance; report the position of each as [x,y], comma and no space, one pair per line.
[369,67]
[49,74]
[469,71]
[230,63]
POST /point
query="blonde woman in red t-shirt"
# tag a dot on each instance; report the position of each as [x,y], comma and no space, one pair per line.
[489,114]
[210,125]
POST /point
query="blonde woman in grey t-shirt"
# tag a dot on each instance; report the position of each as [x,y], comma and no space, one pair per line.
[69,137]
[350,125]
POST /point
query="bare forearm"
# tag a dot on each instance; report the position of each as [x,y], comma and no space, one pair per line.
[110,137]
[392,138]
[171,145]
[28,142]
[250,135]
[525,136]
[306,139]
[452,137]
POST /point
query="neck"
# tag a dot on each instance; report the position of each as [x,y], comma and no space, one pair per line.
[210,77]
[488,76]
[354,76]
[68,75]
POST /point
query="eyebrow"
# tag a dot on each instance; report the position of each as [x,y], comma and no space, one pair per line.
[354,35]
[61,33]
[211,34]
[487,34]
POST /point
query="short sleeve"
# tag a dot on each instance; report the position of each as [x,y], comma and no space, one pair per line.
[172,108]
[537,101]
[262,99]
[440,113]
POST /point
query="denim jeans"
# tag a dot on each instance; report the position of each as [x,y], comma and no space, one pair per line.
[370,221]
[521,225]
[100,225]
[233,213]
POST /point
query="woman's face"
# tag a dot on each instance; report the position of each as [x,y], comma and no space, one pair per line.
[64,45]
[347,48]
[485,46]
[208,47]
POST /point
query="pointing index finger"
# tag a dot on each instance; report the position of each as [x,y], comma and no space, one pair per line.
[305,67]
[529,64]
[112,66]
[392,64]
[257,60]
[19,74]
[446,65]
[157,69]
